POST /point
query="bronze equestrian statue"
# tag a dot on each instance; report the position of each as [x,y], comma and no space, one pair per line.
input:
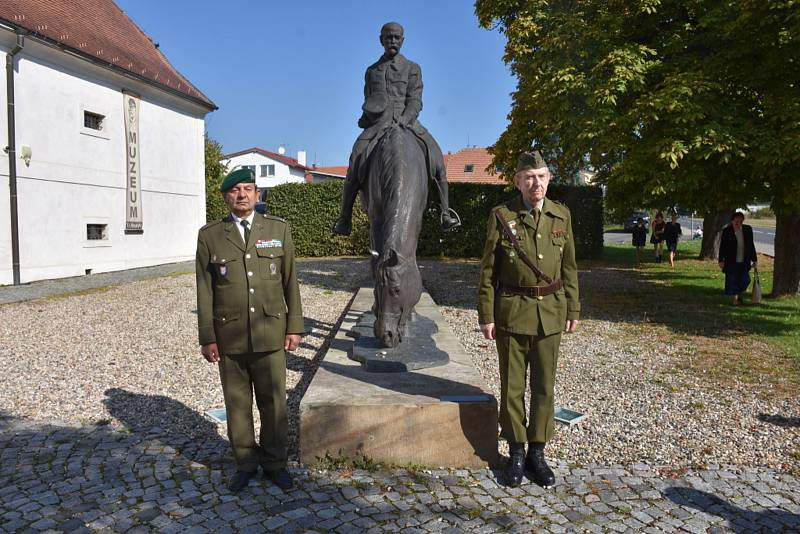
[391,163]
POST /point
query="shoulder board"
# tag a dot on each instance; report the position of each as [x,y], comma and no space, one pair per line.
[273,217]
[212,224]
[559,206]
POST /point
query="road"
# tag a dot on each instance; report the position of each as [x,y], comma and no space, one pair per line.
[764,237]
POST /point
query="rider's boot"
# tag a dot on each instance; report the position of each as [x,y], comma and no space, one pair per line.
[447,218]
[344,224]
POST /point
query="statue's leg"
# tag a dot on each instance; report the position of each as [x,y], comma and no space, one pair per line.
[439,175]
[352,184]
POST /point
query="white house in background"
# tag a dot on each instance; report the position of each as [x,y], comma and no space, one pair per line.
[107,155]
[270,168]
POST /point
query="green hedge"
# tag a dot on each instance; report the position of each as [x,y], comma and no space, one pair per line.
[311,209]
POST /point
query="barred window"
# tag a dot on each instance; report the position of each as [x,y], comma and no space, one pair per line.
[93,120]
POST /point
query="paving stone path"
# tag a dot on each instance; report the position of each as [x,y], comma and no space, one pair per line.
[66,478]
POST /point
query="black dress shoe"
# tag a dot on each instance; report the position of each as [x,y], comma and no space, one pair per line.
[239,480]
[536,466]
[514,468]
[280,477]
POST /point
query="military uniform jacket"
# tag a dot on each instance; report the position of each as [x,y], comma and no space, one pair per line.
[551,247]
[248,298]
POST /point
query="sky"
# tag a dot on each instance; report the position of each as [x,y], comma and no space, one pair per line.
[292,73]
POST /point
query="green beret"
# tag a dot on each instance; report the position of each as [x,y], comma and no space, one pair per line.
[241,175]
[530,160]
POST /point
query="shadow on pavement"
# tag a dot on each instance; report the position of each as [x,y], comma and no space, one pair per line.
[739,519]
[170,421]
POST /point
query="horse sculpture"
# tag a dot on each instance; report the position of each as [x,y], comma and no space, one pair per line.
[394,196]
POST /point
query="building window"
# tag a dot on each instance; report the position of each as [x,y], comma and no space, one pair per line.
[270,170]
[469,168]
[263,170]
[96,232]
[93,121]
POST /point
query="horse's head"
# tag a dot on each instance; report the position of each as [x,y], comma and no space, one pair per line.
[397,289]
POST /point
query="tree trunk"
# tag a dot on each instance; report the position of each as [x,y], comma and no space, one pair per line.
[786,277]
[712,227]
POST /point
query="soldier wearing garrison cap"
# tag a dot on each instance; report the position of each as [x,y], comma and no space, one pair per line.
[528,296]
[248,314]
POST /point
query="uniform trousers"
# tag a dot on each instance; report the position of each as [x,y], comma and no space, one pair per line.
[264,374]
[517,353]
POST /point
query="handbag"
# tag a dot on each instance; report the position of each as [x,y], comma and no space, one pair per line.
[756,287]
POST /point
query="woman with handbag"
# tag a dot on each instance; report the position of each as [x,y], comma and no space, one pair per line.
[737,254]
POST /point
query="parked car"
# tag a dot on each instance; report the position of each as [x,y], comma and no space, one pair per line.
[261,205]
[630,222]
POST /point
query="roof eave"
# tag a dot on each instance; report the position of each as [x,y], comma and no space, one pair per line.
[207,104]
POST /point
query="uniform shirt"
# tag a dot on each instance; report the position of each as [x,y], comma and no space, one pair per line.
[238,222]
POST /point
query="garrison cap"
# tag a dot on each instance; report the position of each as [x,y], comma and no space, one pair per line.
[241,175]
[530,160]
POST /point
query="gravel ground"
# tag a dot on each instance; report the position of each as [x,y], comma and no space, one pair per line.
[642,407]
[127,356]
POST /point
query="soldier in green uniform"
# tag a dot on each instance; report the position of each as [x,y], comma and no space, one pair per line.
[528,296]
[249,313]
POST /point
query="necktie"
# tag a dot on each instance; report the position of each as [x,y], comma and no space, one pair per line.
[246,227]
[536,213]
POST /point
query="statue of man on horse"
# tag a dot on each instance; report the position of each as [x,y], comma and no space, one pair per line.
[392,162]
[392,96]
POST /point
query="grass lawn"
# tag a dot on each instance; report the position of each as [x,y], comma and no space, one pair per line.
[687,305]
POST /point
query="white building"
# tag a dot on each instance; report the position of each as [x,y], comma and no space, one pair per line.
[270,168]
[107,155]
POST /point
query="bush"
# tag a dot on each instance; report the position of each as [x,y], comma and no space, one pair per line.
[311,210]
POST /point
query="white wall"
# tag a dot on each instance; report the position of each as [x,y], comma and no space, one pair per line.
[283,173]
[77,176]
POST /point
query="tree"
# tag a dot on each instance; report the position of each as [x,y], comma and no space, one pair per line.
[215,172]
[691,102]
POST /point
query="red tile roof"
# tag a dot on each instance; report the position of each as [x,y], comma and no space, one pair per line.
[479,158]
[340,170]
[100,31]
[291,162]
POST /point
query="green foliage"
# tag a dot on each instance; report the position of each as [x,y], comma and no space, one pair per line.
[215,172]
[311,210]
[671,101]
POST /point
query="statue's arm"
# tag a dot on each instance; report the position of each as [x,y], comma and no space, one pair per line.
[413,94]
[364,120]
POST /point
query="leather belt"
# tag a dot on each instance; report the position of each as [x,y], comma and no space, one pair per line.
[533,291]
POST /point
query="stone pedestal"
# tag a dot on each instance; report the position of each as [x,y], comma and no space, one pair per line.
[439,416]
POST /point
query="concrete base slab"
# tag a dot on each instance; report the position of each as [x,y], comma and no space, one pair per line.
[440,416]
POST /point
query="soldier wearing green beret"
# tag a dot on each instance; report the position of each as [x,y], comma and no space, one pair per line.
[249,313]
[528,296]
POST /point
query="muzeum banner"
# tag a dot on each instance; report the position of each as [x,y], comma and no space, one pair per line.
[133,188]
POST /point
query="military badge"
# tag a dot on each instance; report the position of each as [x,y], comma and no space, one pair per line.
[558,232]
[223,270]
[272,269]
[272,243]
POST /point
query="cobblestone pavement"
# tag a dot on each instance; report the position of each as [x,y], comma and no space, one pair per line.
[66,478]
